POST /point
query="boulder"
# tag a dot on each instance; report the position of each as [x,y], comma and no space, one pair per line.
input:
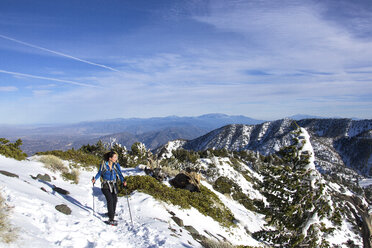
[178,221]
[187,180]
[44,177]
[63,208]
[191,229]
[8,174]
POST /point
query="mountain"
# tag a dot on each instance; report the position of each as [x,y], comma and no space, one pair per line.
[152,139]
[336,142]
[245,200]
[206,122]
[151,131]
[298,117]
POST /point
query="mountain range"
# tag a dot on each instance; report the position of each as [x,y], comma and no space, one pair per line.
[151,131]
[282,183]
[337,142]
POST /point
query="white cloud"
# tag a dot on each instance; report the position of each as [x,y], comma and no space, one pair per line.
[265,59]
[296,34]
[57,53]
[8,88]
[38,93]
[24,75]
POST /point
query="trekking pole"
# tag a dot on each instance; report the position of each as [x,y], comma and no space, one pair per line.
[93,198]
[130,213]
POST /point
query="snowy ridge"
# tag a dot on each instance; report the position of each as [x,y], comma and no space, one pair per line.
[340,232]
[336,142]
[166,150]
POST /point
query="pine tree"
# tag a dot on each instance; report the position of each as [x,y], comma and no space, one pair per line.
[12,150]
[297,199]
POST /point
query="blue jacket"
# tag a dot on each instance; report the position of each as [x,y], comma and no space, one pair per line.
[109,175]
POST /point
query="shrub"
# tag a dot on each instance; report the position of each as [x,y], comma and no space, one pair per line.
[53,163]
[72,176]
[225,185]
[12,150]
[8,234]
[206,202]
[183,155]
[85,160]
[209,153]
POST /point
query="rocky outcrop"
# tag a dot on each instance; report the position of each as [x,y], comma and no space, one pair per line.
[187,180]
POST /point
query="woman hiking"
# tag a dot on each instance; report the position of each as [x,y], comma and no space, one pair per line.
[109,172]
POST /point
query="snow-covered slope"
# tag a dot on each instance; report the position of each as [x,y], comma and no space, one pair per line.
[166,150]
[39,224]
[337,142]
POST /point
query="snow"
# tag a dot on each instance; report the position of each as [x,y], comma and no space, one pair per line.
[313,220]
[41,225]
[224,168]
[171,146]
[307,148]
[246,133]
[247,220]
[357,127]
[263,130]
[341,234]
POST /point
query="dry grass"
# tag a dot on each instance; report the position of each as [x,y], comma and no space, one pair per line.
[209,243]
[53,163]
[72,176]
[8,234]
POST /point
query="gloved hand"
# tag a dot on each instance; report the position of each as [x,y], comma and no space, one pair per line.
[93,180]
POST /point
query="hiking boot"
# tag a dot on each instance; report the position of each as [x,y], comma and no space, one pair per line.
[112,222]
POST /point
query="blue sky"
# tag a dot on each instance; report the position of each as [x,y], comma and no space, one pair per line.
[69,61]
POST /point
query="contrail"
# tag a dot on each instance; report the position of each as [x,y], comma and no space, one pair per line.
[47,78]
[58,53]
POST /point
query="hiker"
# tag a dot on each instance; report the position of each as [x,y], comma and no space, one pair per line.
[109,172]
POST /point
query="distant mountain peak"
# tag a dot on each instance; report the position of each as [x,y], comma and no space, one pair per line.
[214,115]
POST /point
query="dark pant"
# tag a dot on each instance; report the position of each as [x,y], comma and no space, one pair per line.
[111,199]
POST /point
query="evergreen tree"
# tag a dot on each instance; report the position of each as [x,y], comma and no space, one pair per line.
[122,154]
[297,198]
[98,149]
[12,150]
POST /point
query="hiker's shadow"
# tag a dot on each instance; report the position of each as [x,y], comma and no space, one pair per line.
[67,197]
[97,192]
